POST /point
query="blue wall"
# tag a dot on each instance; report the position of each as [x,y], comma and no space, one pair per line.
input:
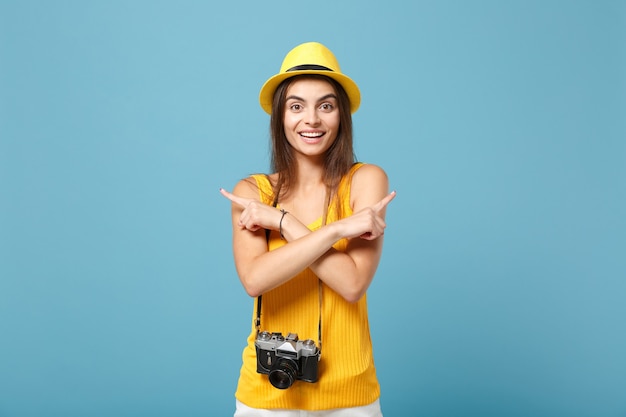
[502,125]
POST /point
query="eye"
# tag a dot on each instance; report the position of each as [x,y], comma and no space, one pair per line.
[295,107]
[327,107]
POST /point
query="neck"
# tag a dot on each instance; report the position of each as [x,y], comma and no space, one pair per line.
[310,172]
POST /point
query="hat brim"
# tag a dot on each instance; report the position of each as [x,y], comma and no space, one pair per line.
[266,95]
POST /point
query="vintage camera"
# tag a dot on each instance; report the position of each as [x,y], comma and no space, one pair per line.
[286,359]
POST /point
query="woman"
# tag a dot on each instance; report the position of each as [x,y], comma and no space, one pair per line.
[308,239]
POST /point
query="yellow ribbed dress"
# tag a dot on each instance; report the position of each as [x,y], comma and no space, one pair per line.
[347,376]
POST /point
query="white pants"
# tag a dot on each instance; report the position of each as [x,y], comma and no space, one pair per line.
[371,410]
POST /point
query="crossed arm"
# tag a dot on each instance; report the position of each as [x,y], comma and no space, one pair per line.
[261,270]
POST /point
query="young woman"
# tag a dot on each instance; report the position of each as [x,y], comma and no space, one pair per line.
[307,240]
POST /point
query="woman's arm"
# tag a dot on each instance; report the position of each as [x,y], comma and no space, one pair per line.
[261,271]
[351,272]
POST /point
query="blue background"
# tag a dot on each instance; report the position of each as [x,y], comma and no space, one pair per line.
[502,287]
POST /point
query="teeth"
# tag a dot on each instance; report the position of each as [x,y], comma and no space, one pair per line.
[311,134]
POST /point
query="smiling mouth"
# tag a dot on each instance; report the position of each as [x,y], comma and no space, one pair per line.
[311,137]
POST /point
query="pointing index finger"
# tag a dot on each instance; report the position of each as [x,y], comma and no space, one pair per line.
[232,197]
[386,200]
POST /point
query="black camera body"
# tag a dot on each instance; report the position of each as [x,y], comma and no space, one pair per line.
[286,359]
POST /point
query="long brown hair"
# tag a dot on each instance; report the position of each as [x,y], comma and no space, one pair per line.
[339,157]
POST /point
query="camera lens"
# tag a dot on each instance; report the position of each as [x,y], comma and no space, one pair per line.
[283,374]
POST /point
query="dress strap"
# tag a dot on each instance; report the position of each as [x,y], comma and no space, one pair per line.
[266,193]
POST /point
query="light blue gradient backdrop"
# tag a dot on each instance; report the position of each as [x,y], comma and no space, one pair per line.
[502,288]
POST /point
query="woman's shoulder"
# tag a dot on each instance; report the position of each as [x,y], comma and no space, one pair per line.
[364,172]
[369,183]
[257,186]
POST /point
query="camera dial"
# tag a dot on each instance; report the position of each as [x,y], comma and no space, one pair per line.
[265,336]
[309,345]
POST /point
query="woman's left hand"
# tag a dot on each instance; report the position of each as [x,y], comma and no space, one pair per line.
[368,223]
[255,215]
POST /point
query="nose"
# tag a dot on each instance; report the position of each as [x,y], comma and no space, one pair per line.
[312,118]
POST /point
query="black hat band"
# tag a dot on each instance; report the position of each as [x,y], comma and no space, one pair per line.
[309,67]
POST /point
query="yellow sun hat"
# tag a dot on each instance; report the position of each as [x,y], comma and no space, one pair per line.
[309,58]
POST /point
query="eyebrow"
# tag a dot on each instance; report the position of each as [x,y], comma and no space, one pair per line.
[326,97]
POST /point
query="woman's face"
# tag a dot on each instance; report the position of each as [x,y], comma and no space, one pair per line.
[311,117]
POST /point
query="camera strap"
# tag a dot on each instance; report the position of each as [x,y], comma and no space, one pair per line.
[259,299]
